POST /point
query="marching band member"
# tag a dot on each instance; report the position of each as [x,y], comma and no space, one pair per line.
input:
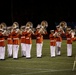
[28,42]
[15,35]
[58,40]
[9,41]
[52,37]
[28,39]
[69,42]
[2,45]
[23,47]
[39,40]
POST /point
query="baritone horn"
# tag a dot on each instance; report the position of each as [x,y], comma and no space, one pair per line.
[3,26]
[29,26]
[15,25]
[63,25]
[43,26]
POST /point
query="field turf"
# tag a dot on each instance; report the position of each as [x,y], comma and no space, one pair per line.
[60,65]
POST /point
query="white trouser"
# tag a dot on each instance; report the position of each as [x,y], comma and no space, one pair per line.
[15,51]
[23,49]
[9,49]
[52,51]
[58,47]
[28,50]
[58,44]
[69,49]
[2,52]
[39,49]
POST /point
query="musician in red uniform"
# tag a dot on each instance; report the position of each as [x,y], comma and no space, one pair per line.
[52,43]
[58,33]
[15,35]
[39,40]
[2,45]
[28,41]
[69,42]
[22,41]
[9,42]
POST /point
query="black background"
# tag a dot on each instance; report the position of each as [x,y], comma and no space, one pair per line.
[22,11]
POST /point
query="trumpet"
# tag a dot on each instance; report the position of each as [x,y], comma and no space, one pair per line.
[53,32]
[57,34]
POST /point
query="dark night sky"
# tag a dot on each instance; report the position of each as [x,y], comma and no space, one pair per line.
[36,11]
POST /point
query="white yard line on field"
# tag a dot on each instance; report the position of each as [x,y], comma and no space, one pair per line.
[49,70]
[27,68]
[39,70]
[74,64]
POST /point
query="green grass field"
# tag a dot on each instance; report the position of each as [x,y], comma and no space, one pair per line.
[60,65]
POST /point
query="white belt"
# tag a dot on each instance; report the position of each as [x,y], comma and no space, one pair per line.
[68,38]
[9,38]
[15,38]
[38,37]
[1,40]
[28,38]
[52,40]
[23,37]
